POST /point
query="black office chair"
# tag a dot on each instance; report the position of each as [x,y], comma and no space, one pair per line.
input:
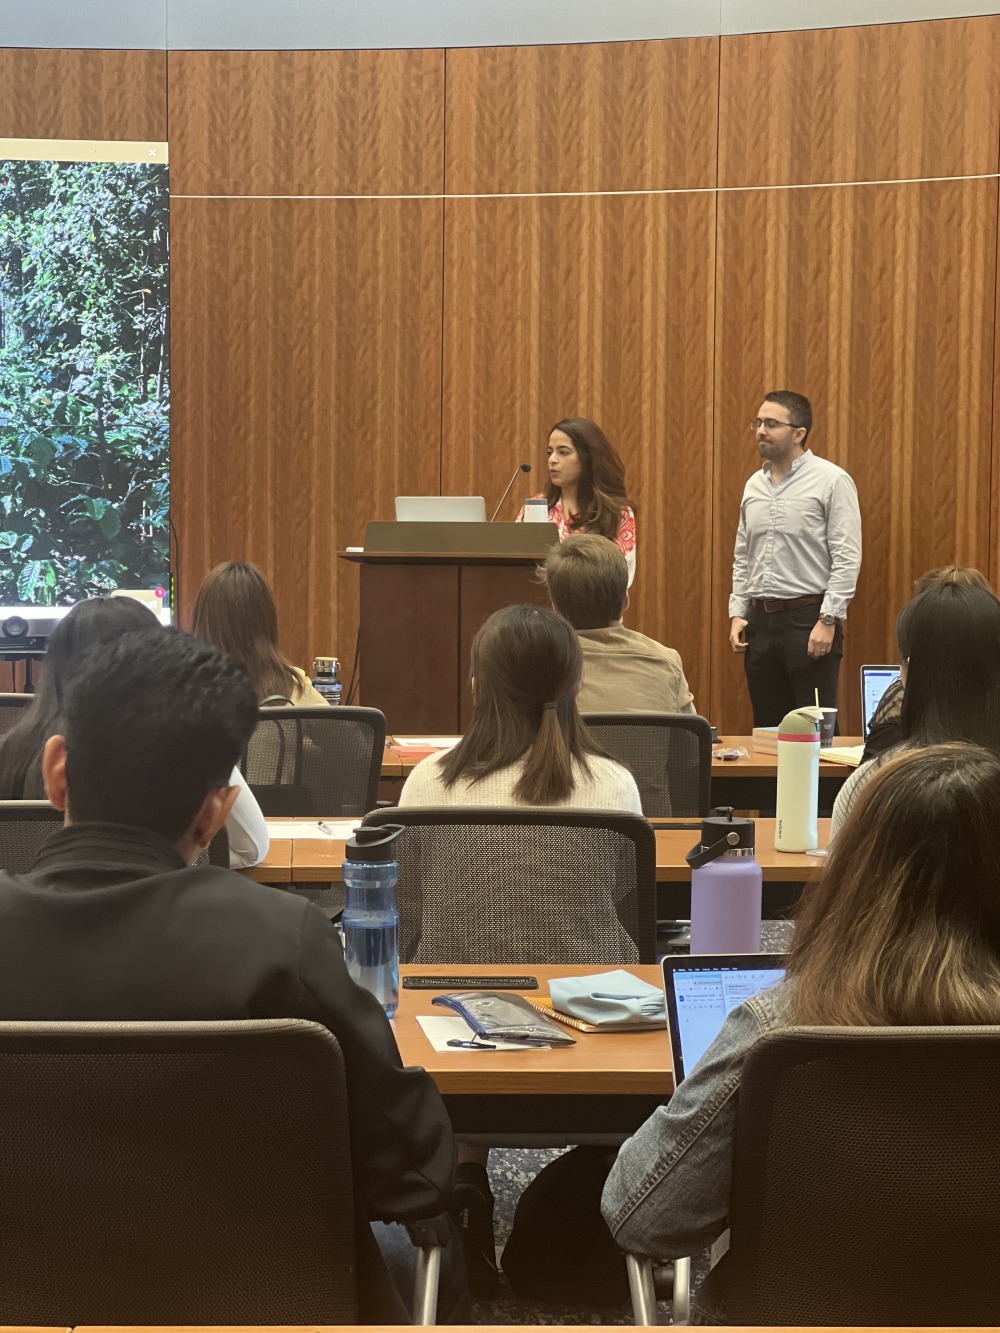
[152,1174]
[668,754]
[866,1181]
[524,885]
[12,708]
[217,851]
[315,763]
[24,826]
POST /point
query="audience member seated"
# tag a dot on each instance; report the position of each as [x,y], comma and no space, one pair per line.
[235,611]
[113,923]
[93,625]
[949,653]
[623,670]
[902,929]
[883,733]
[526,744]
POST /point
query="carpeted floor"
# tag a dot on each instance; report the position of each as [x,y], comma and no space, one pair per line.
[511,1169]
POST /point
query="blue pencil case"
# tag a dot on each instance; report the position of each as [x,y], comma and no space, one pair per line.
[504,1017]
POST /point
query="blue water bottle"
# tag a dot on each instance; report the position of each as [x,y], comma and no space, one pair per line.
[370,919]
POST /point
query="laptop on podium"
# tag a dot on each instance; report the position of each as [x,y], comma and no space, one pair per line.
[440,509]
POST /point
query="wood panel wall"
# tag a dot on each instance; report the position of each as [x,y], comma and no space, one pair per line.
[394,270]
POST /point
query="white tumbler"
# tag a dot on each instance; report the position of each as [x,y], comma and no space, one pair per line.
[797,805]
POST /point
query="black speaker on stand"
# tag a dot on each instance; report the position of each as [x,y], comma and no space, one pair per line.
[23,639]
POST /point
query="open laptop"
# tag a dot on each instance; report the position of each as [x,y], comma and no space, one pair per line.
[440,509]
[875,680]
[702,989]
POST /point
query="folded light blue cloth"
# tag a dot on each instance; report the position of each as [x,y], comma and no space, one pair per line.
[610,1000]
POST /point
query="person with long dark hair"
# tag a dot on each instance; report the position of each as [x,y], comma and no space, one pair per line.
[235,611]
[87,628]
[949,654]
[87,625]
[586,490]
[883,730]
[902,929]
[526,743]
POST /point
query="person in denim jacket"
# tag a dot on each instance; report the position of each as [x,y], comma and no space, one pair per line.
[903,928]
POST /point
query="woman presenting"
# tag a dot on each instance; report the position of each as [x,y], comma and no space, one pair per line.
[586,491]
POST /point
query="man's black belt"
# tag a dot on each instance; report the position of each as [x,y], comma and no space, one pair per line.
[789,604]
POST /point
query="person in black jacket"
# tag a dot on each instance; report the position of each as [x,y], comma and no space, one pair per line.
[115,923]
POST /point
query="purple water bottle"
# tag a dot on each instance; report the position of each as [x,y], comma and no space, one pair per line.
[725,886]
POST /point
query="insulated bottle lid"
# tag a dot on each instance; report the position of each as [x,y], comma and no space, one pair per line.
[326,666]
[374,843]
[721,833]
[801,722]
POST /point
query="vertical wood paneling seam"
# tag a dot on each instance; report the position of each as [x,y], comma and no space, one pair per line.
[715,368]
[444,261]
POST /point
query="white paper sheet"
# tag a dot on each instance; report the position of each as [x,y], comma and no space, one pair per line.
[439,1031]
[427,742]
[310,828]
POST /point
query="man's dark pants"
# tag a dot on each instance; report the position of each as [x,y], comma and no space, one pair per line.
[780,673]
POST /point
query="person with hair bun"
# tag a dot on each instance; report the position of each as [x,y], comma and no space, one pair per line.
[586,491]
[526,743]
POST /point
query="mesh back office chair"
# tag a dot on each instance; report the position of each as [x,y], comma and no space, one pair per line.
[524,885]
[315,763]
[12,708]
[866,1181]
[24,826]
[217,851]
[153,1175]
[668,754]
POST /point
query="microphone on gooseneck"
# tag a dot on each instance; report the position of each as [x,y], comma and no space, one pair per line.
[521,467]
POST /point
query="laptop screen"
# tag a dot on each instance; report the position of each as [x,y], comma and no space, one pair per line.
[702,989]
[875,680]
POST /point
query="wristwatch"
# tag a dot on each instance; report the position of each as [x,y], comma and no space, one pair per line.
[829,620]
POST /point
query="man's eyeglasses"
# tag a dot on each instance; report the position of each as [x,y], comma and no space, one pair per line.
[769,423]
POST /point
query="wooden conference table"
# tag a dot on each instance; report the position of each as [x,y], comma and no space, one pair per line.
[319,859]
[747,783]
[606,1085]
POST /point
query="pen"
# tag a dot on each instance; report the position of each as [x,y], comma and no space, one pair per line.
[471,1045]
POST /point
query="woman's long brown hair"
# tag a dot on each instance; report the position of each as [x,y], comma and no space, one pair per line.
[235,611]
[600,492]
[903,927]
[524,657]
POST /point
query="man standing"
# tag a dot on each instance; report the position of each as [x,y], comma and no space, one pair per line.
[795,567]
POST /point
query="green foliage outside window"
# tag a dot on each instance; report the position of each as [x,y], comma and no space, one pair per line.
[84,387]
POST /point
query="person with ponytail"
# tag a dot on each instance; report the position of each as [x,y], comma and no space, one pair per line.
[526,743]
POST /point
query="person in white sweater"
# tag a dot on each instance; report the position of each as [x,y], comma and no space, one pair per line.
[526,743]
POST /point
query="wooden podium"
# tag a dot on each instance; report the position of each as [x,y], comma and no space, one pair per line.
[425,590]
